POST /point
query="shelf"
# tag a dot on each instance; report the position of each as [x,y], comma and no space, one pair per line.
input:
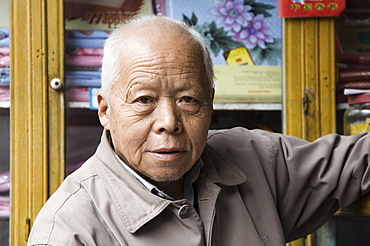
[4,104]
[78,104]
[248,106]
[342,106]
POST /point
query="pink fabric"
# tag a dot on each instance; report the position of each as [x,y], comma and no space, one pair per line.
[4,93]
[4,182]
[4,57]
[81,60]
[78,94]
[4,206]
[84,57]
[84,52]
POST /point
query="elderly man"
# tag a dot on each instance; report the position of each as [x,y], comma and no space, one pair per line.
[159,177]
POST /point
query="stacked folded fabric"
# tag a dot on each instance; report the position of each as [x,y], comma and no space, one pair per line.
[85,39]
[4,64]
[84,50]
[4,96]
[4,37]
[4,75]
[83,58]
[4,194]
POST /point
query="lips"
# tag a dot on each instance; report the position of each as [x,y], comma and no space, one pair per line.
[167,154]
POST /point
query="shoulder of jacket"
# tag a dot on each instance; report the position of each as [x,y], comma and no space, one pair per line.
[236,133]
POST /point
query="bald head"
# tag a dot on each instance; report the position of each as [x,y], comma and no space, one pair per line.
[151,36]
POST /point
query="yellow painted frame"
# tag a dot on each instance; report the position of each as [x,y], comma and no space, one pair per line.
[309,82]
[37,117]
[309,77]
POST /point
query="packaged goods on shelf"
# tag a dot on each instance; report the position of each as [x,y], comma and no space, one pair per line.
[357,116]
[85,38]
[4,56]
[102,15]
[4,182]
[4,206]
[83,78]
[77,94]
[83,58]
[4,37]
[4,197]
[4,93]
[4,76]
[353,72]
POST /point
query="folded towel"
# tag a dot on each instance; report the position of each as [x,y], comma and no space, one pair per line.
[81,60]
[84,42]
[89,34]
[4,206]
[4,93]
[77,94]
[4,75]
[4,37]
[4,182]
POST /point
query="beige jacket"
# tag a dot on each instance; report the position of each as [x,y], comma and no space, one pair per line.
[256,188]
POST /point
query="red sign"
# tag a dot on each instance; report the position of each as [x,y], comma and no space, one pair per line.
[311,8]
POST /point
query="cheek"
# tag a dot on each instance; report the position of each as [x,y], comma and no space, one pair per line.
[127,129]
[197,130]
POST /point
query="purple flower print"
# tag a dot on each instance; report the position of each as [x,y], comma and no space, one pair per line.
[232,14]
[256,33]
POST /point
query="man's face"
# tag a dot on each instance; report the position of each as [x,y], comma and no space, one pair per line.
[160,110]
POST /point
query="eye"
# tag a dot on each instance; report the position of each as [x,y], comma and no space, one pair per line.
[189,104]
[144,104]
[145,100]
[188,99]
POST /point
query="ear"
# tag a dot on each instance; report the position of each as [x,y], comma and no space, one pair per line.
[213,94]
[103,111]
[212,98]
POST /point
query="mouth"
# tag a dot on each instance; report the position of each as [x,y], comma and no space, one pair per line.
[167,154]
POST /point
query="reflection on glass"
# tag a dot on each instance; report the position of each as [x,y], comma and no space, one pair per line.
[4,122]
[87,26]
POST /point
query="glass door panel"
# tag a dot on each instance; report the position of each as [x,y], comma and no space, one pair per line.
[4,123]
[87,26]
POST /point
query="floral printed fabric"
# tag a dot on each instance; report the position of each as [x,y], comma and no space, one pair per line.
[227,24]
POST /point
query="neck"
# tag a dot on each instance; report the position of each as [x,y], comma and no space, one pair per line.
[174,189]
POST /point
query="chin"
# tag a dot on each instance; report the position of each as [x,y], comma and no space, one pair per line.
[165,179]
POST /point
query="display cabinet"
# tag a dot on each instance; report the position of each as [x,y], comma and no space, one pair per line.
[4,123]
[44,122]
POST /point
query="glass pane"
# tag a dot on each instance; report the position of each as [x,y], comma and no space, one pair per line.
[4,123]
[86,30]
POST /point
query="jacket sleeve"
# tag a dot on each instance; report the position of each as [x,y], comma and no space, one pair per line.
[314,179]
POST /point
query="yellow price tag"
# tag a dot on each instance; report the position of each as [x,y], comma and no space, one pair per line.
[238,56]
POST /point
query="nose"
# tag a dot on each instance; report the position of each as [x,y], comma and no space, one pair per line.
[168,118]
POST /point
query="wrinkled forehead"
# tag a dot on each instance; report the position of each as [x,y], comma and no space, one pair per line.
[163,40]
[155,52]
[175,65]
[160,50]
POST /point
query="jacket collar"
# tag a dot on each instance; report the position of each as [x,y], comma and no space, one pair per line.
[135,204]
